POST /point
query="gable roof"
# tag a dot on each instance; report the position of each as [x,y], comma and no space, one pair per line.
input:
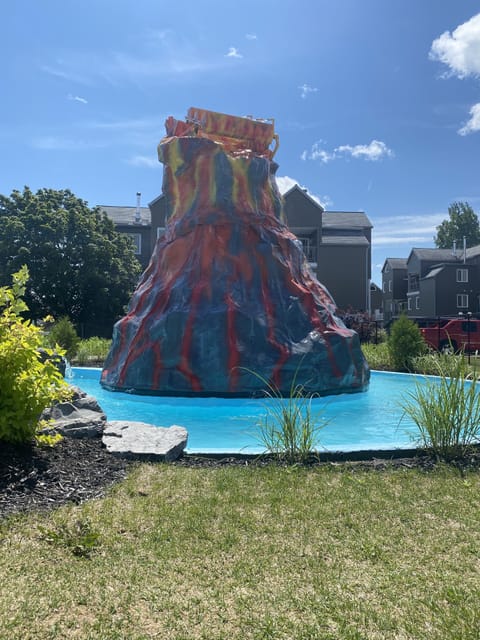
[439,255]
[342,219]
[343,240]
[395,263]
[297,189]
[127,215]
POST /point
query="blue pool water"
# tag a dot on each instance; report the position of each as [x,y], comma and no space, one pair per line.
[359,421]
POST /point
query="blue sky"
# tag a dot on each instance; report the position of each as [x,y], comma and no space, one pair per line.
[376,102]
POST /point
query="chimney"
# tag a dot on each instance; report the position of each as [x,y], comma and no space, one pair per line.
[464,249]
[454,250]
[138,217]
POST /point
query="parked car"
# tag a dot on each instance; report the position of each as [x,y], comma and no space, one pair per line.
[457,334]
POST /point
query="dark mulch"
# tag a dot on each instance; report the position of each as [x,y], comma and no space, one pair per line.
[40,478]
[75,470]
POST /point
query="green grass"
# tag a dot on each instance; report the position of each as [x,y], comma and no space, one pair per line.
[251,553]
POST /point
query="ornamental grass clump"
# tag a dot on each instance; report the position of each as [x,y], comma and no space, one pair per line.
[28,383]
[289,429]
[446,409]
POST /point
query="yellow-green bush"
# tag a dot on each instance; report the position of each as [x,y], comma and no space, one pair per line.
[27,385]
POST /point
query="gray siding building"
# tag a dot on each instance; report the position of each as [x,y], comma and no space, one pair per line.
[337,244]
[438,282]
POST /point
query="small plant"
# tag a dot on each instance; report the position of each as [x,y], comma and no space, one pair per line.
[79,537]
[405,342]
[446,410]
[92,350]
[289,430]
[378,356]
[28,383]
[64,335]
[45,436]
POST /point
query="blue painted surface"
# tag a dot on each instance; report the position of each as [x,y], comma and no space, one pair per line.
[368,420]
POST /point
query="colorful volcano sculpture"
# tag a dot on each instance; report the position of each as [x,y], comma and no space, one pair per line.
[228,300]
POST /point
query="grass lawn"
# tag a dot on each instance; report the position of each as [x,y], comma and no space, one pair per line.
[241,552]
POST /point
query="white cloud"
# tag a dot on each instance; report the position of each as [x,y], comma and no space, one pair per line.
[144,161]
[233,53]
[77,99]
[305,89]
[409,230]
[66,73]
[251,36]
[460,50]
[374,150]
[59,143]
[473,124]
[156,54]
[285,183]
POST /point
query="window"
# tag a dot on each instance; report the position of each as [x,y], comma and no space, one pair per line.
[462,301]
[462,275]
[390,286]
[409,304]
[160,232]
[309,248]
[417,303]
[413,282]
[136,238]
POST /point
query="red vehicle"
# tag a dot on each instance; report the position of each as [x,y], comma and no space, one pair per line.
[458,334]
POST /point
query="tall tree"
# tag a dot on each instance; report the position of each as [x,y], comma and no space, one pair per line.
[79,265]
[463,221]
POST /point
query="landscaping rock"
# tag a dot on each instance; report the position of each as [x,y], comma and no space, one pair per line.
[141,441]
[82,417]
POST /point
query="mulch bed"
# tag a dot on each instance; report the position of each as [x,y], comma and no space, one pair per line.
[40,478]
[75,470]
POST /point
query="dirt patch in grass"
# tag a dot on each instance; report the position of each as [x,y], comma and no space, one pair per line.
[75,470]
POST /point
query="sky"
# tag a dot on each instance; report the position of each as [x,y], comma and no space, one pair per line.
[376,103]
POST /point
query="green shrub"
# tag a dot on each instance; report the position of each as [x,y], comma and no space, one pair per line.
[446,410]
[64,335]
[378,356]
[92,349]
[27,385]
[433,363]
[289,430]
[405,342]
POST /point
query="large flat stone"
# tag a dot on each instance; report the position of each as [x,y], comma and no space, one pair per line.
[142,441]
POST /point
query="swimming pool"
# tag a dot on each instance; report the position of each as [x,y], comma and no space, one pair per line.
[358,421]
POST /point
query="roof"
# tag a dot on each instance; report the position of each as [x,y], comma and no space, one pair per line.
[473,252]
[396,263]
[304,193]
[341,219]
[439,255]
[350,240]
[126,215]
[433,272]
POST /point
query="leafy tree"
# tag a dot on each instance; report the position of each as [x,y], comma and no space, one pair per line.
[463,221]
[79,265]
[405,342]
